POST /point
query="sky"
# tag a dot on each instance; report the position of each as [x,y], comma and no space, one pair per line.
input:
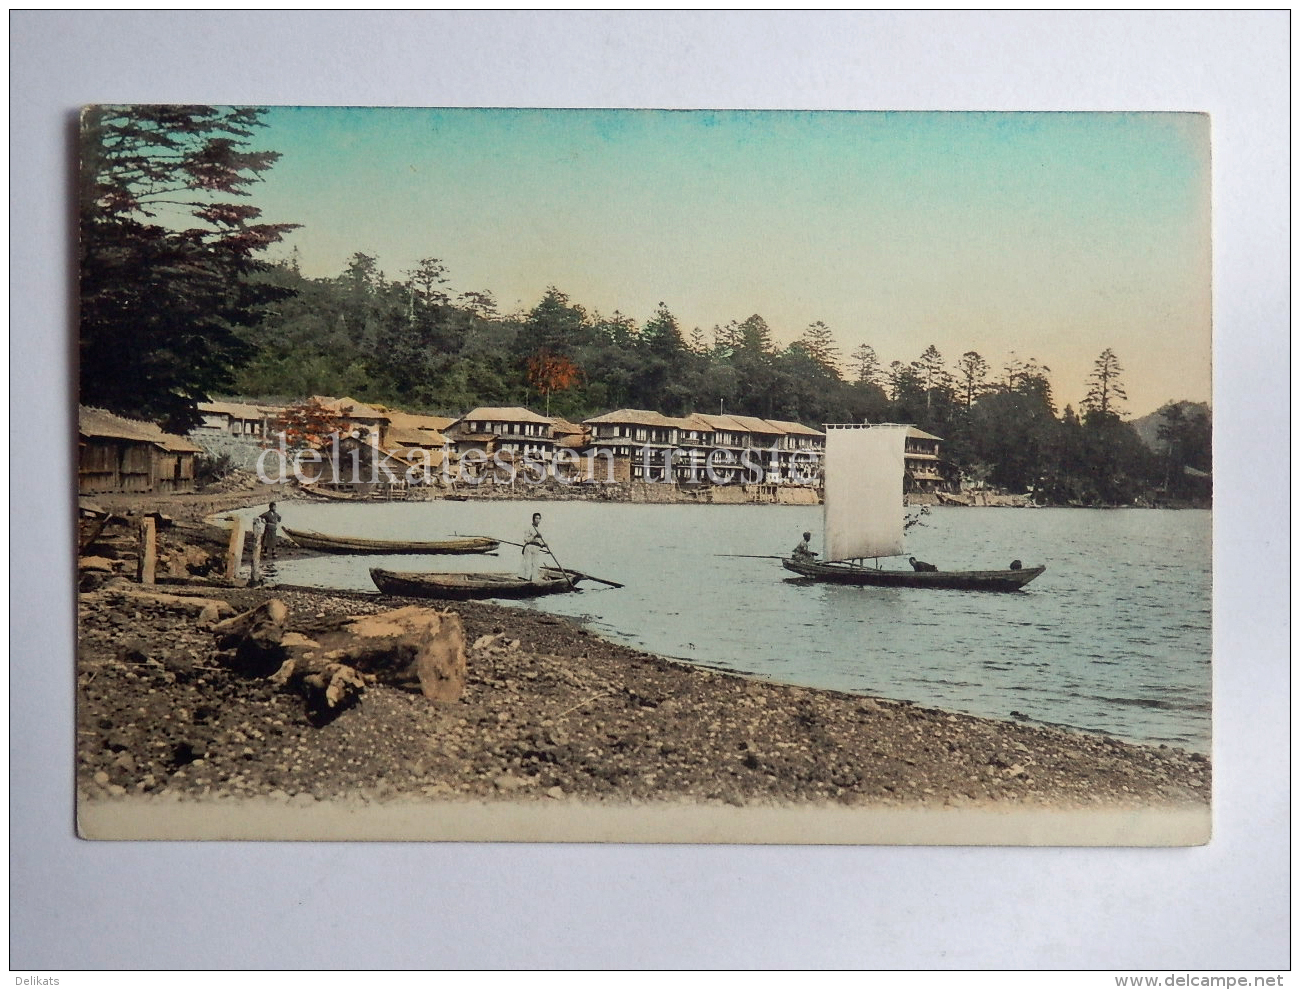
[1051,236]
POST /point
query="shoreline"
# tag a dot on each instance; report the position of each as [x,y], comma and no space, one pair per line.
[554,714]
[199,506]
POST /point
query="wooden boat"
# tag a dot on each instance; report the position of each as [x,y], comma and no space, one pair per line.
[462,585]
[864,518]
[309,540]
[330,494]
[847,573]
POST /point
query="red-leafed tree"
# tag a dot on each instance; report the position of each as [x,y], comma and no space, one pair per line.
[169,255]
[306,425]
[552,373]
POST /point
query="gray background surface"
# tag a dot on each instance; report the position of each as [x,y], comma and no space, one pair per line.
[177,905]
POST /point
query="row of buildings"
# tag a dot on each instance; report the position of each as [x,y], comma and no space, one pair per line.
[626,445]
[619,446]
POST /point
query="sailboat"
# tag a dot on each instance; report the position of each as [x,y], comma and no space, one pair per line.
[864,519]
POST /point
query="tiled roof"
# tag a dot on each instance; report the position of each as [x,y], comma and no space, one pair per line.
[401,436]
[723,423]
[505,414]
[693,421]
[236,410]
[796,428]
[755,425]
[418,421]
[349,407]
[912,431]
[561,425]
[633,417]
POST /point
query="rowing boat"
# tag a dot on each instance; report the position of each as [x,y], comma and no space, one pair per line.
[309,540]
[466,585]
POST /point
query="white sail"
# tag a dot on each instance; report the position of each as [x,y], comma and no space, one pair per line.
[864,491]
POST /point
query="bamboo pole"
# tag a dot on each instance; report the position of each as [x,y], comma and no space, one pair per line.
[259,527]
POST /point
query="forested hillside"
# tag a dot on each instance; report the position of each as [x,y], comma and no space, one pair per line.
[418,343]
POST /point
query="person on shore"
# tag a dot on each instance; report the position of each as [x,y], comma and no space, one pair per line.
[271,519]
[804,550]
[530,568]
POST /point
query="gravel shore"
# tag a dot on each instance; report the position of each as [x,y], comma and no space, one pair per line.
[552,712]
[552,717]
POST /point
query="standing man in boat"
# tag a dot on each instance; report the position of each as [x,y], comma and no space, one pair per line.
[530,568]
[272,520]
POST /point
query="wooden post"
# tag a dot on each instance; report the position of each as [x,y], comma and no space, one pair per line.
[146,566]
[259,527]
[235,553]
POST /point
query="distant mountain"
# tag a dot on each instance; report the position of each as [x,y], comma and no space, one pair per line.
[1149,425]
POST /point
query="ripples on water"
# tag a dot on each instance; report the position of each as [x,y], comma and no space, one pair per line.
[1113,638]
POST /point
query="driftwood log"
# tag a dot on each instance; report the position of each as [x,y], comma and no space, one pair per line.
[213,608]
[331,662]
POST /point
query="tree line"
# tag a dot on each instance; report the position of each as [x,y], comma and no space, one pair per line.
[174,312]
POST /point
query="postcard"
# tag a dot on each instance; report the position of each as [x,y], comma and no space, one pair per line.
[644,475]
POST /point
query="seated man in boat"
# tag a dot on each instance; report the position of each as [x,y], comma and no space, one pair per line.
[530,568]
[803,551]
[921,565]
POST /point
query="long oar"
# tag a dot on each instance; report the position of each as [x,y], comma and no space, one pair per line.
[559,565]
[591,577]
[751,556]
[581,576]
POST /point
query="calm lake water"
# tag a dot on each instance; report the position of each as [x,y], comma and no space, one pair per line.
[1113,638]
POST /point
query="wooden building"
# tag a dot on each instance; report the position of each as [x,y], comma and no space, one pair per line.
[115,454]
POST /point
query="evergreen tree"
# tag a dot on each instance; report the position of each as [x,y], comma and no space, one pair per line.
[169,255]
[1105,391]
[866,365]
[972,375]
[819,343]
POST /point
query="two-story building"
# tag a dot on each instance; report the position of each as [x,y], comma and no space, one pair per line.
[632,444]
[800,452]
[922,467]
[511,434]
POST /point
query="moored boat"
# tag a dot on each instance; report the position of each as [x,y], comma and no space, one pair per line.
[309,540]
[467,585]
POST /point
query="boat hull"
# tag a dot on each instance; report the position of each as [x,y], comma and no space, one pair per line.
[324,543]
[836,573]
[463,586]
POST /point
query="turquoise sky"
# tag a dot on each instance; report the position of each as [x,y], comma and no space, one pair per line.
[1052,236]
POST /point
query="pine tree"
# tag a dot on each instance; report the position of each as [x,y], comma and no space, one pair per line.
[819,343]
[972,373]
[1105,391]
[168,256]
[866,364]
